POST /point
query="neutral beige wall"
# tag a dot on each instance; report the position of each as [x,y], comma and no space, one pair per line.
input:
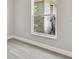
[23,24]
[10,17]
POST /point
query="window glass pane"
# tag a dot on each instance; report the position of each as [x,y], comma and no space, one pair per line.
[38,7]
[39,24]
[44,24]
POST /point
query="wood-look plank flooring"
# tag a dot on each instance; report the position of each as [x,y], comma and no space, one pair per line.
[20,50]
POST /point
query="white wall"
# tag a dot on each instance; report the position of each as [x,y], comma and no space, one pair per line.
[23,24]
[10,17]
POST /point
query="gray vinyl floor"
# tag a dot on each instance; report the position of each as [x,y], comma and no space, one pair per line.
[20,50]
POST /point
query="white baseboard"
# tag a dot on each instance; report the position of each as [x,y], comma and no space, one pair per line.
[53,49]
[10,37]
